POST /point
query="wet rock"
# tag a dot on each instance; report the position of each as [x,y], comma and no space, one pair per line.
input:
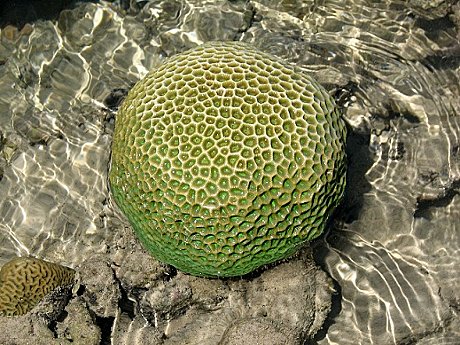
[455,17]
[257,331]
[295,294]
[133,266]
[101,290]
[126,329]
[74,326]
[28,330]
[290,301]
[429,4]
[218,20]
[433,8]
[11,33]
[166,300]
[286,303]
[51,307]
[12,146]
[79,327]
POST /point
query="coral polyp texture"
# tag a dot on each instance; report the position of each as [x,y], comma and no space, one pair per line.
[24,281]
[226,158]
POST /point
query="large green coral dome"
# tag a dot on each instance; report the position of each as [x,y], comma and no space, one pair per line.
[227,158]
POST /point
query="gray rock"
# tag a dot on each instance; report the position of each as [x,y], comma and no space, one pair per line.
[26,329]
[284,299]
[101,290]
[257,331]
[126,329]
[79,327]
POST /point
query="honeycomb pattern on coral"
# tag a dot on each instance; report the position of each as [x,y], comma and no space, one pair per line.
[226,158]
[24,281]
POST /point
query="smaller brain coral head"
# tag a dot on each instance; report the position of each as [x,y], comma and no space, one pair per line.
[227,158]
[24,281]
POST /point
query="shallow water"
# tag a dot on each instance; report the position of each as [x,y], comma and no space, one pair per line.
[393,249]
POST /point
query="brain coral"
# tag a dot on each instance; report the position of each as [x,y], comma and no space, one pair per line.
[227,158]
[24,281]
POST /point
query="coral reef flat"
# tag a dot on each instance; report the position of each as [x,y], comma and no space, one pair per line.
[386,271]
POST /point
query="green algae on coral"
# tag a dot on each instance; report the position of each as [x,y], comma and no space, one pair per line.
[24,281]
[226,158]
